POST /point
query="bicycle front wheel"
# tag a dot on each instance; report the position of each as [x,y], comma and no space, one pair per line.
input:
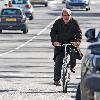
[64,81]
[67,80]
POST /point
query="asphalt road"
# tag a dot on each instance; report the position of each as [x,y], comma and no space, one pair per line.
[26,65]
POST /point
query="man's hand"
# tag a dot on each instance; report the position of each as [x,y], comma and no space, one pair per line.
[76,44]
[56,44]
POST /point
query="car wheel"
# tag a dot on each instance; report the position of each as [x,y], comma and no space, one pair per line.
[25,30]
[87,9]
[0,31]
[78,93]
[67,6]
[46,4]
[63,1]
[31,18]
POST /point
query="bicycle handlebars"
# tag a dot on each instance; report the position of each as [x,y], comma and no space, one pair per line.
[68,44]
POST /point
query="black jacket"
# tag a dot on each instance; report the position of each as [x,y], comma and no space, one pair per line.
[65,33]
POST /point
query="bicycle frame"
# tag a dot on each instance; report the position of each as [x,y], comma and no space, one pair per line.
[65,71]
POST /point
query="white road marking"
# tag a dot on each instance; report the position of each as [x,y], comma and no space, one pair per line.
[34,37]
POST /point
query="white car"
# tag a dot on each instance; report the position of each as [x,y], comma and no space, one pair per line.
[43,2]
[26,6]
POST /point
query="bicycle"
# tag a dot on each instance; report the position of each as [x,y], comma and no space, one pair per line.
[65,71]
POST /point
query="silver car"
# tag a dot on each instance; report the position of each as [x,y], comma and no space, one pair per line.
[89,87]
[26,6]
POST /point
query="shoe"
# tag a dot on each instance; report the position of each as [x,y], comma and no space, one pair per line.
[57,83]
[72,70]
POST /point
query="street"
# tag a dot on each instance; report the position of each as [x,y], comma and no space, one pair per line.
[26,60]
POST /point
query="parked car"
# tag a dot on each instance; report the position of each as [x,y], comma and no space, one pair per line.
[12,18]
[80,4]
[26,6]
[89,87]
[43,2]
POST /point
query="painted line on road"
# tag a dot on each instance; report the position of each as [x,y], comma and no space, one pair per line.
[34,37]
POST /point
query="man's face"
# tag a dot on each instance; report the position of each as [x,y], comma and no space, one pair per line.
[65,15]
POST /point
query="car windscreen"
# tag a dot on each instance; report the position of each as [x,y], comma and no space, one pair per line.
[78,1]
[11,12]
[19,1]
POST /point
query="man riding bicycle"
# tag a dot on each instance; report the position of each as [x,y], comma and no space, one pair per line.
[65,30]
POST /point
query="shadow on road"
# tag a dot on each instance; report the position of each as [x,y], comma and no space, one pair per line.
[82,14]
[10,33]
[7,90]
